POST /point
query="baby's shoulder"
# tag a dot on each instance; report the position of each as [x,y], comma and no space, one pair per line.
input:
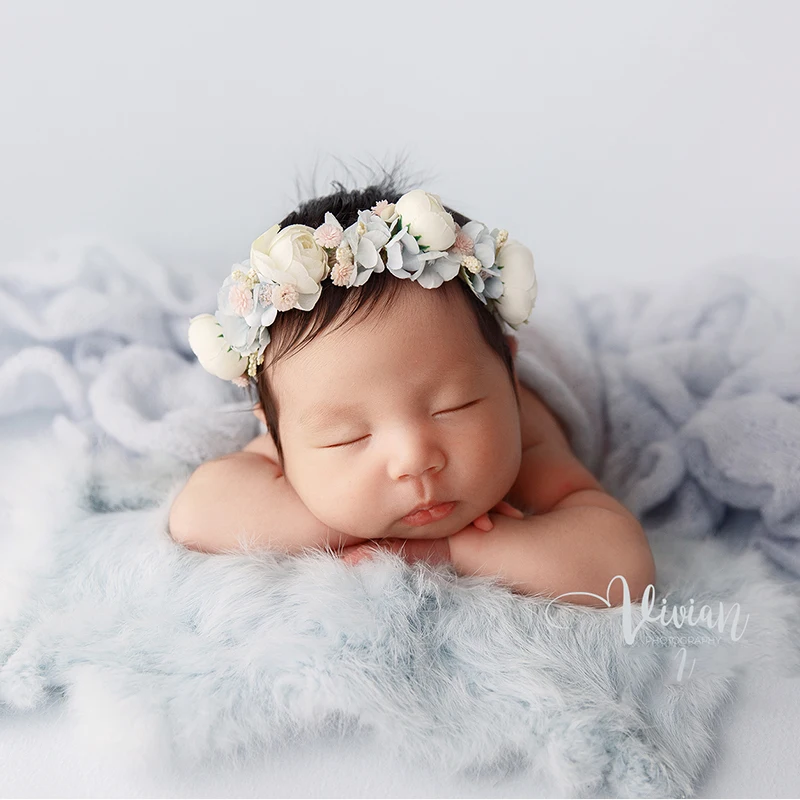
[263,445]
[539,422]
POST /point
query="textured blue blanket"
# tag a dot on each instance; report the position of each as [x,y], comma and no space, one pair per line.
[684,402]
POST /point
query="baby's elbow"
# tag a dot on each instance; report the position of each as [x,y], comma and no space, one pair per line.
[180,524]
[632,581]
[185,523]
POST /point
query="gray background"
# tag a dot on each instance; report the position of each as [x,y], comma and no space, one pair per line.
[616,139]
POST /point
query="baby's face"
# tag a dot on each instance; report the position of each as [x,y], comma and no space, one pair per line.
[386,414]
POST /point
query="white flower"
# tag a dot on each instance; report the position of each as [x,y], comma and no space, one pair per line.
[426,218]
[344,255]
[471,264]
[519,283]
[291,256]
[329,234]
[212,349]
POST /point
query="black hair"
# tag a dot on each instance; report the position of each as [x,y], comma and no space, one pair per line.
[294,329]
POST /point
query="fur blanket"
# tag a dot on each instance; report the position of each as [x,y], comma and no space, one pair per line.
[683,400]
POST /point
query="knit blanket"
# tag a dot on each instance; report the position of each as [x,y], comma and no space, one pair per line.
[683,399]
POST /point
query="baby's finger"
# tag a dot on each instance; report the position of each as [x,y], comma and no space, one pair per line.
[358,552]
[506,508]
[483,523]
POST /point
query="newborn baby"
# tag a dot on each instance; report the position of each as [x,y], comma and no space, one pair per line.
[395,417]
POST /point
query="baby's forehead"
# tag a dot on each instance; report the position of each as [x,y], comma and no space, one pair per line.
[438,336]
[351,396]
[425,368]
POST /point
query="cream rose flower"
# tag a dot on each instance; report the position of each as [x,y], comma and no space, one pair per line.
[426,217]
[292,256]
[212,349]
[519,283]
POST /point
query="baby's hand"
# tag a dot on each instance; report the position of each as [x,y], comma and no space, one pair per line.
[483,523]
[434,551]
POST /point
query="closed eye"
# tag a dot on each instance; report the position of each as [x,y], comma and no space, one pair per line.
[437,414]
[460,408]
[345,444]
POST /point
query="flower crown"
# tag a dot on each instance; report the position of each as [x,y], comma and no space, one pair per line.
[414,238]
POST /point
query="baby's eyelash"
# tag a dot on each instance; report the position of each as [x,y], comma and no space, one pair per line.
[348,444]
[460,408]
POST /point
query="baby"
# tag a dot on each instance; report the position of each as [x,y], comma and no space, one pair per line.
[393,409]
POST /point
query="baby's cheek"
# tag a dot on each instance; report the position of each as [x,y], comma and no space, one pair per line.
[496,467]
[337,507]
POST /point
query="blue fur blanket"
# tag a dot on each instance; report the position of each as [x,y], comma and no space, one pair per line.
[684,400]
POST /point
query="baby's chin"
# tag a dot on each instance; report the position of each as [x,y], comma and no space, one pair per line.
[434,530]
[463,515]
[426,532]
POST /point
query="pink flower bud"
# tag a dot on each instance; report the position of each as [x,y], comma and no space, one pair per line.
[464,244]
[241,299]
[328,235]
[340,274]
[285,296]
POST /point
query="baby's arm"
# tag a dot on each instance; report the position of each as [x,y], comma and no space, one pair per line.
[244,499]
[578,540]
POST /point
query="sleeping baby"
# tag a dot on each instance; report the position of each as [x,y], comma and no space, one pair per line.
[368,326]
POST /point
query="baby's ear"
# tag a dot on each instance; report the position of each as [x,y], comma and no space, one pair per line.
[513,344]
[259,412]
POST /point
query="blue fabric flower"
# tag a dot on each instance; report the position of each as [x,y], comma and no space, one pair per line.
[365,237]
[406,259]
[244,312]
[434,270]
[484,284]
[401,252]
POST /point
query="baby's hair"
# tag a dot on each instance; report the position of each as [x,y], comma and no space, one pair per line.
[294,329]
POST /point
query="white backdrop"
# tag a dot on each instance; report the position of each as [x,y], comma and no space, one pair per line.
[617,139]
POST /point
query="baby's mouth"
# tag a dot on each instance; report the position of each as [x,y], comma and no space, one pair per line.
[438,529]
[429,515]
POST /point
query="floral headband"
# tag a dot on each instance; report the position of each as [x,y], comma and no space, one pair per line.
[414,238]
